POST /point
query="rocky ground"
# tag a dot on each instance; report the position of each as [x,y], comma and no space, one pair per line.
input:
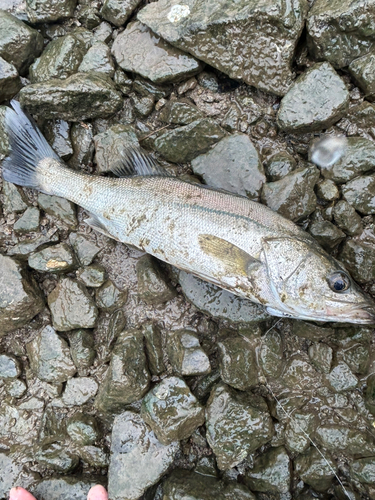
[117,369]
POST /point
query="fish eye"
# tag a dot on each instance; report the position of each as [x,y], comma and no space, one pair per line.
[339,282]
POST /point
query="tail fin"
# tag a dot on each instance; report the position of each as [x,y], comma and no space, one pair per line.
[28,149]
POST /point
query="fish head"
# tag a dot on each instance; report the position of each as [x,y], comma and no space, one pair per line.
[307,283]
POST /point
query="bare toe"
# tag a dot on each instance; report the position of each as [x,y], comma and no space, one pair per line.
[20,494]
[96,493]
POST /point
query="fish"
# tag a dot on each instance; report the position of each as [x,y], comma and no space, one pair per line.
[237,244]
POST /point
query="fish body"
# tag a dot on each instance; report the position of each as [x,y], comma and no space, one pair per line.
[228,240]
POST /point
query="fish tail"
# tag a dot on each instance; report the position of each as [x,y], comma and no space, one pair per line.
[31,155]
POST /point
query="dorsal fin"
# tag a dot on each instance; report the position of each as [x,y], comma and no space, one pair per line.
[135,161]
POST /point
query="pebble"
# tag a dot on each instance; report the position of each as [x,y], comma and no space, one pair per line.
[360,193]
[341,378]
[237,362]
[113,143]
[47,11]
[117,12]
[79,391]
[60,208]
[185,353]
[314,470]
[82,348]
[9,367]
[271,472]
[153,345]
[10,82]
[82,429]
[153,286]
[56,259]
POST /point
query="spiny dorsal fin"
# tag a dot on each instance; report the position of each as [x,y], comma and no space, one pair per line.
[135,161]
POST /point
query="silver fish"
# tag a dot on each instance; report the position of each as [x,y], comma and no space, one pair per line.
[228,240]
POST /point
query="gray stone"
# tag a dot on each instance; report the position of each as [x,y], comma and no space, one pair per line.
[310,331]
[12,473]
[341,378]
[213,33]
[179,112]
[360,193]
[138,459]
[10,82]
[358,257]
[270,355]
[84,248]
[94,456]
[140,50]
[46,11]
[58,207]
[271,472]
[56,259]
[321,357]
[338,438]
[89,17]
[143,106]
[109,297]
[71,306]
[185,353]
[298,429]
[49,357]
[171,410]
[147,88]
[98,59]
[112,145]
[363,470]
[153,345]
[57,133]
[82,348]
[14,199]
[28,222]
[93,276]
[327,190]
[237,362]
[16,388]
[25,247]
[81,136]
[346,218]
[118,11]
[326,234]
[103,33]
[81,96]
[57,457]
[82,429]
[61,488]
[314,470]
[9,366]
[19,44]
[357,357]
[279,165]
[362,71]
[234,165]
[20,297]
[237,424]
[78,391]
[153,286]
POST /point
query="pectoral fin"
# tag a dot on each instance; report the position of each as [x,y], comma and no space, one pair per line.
[96,224]
[236,261]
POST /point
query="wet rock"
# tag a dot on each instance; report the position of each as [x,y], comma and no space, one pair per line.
[321,357]
[139,50]
[127,378]
[317,100]
[299,373]
[357,357]
[19,44]
[327,190]
[60,59]
[56,259]
[57,133]
[15,388]
[55,456]
[109,297]
[219,303]
[49,357]
[339,438]
[88,17]
[14,200]
[360,193]
[24,248]
[339,32]
[370,393]
[213,36]
[94,456]
[71,306]
[326,234]
[237,362]
[183,144]
[179,113]
[153,287]
[10,82]
[12,472]
[341,378]
[171,410]
[93,276]
[61,488]
[271,472]
[28,222]
[79,391]
[84,248]
[82,348]
[358,257]
[234,165]
[47,11]
[60,208]
[237,424]
[190,84]
[292,196]
[271,354]
[346,218]
[20,297]
[279,165]
[123,82]
[103,33]
[297,430]
[112,144]
[118,11]
[81,96]
[138,459]
[147,88]
[143,106]
[81,136]
[363,470]
[314,470]
[9,366]
[154,350]
[362,71]
[82,429]
[98,59]
[185,353]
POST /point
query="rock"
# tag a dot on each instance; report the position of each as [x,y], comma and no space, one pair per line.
[24,248]
[358,257]
[93,276]
[88,17]
[153,287]
[234,165]
[341,378]
[84,248]
[292,196]
[214,35]
[123,82]
[12,472]
[20,296]
[184,87]
[343,439]
[271,472]
[10,82]
[237,362]
[147,88]
[143,106]
[171,410]
[109,297]
[270,356]
[185,353]
[360,193]
[127,378]
[98,59]
[55,456]
[28,222]
[297,431]
[370,393]
[346,218]
[15,388]
[362,71]
[60,59]
[154,349]
[82,348]
[331,39]
[326,234]
[138,459]
[78,391]
[237,424]
[219,303]
[317,100]
[56,259]
[61,488]
[112,145]
[14,199]
[118,11]
[314,470]
[279,165]
[179,112]
[81,136]
[321,357]
[327,190]
[81,96]
[94,456]
[139,50]
[60,208]
[363,470]
[9,367]
[57,133]
[49,357]
[82,429]
[46,11]
[19,44]
[183,144]
[298,373]
[71,306]
[103,33]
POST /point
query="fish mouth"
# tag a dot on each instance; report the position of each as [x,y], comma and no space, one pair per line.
[364,315]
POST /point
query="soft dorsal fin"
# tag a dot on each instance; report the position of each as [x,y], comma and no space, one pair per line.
[236,261]
[135,161]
